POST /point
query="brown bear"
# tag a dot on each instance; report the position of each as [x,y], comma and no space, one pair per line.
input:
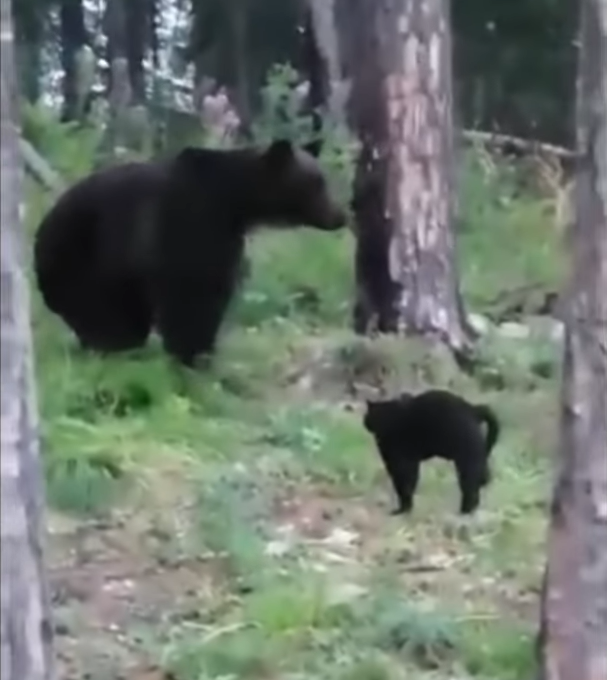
[161,244]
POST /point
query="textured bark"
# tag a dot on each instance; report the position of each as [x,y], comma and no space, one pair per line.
[574,602]
[26,632]
[401,106]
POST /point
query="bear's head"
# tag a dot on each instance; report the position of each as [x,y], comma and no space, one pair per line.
[295,190]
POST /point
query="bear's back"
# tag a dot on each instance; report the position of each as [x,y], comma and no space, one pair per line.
[113,199]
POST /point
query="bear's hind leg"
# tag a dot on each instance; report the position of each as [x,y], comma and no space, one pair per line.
[111,318]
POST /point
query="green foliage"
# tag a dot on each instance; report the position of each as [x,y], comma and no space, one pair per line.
[328,447]
[85,482]
[285,501]
[504,239]
[427,639]
[281,288]
[498,652]
[279,115]
[69,148]
[233,654]
[231,509]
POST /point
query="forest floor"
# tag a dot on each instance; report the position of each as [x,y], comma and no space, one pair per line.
[230,535]
[235,524]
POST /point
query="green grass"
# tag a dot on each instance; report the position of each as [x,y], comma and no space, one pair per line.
[283,492]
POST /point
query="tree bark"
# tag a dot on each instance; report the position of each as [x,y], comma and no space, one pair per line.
[322,57]
[120,87]
[316,70]
[238,11]
[139,27]
[401,107]
[73,39]
[25,640]
[574,602]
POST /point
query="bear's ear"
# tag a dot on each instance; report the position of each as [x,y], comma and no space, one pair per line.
[313,148]
[280,153]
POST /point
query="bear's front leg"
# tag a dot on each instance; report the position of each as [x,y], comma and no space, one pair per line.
[189,317]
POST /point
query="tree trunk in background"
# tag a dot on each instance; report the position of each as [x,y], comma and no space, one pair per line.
[574,602]
[316,70]
[73,39]
[25,640]
[138,20]
[30,60]
[120,88]
[238,27]
[401,107]
[322,56]
[115,29]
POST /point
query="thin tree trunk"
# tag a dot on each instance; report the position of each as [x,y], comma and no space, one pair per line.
[238,26]
[138,19]
[73,39]
[574,603]
[401,107]
[315,66]
[322,57]
[25,640]
[120,87]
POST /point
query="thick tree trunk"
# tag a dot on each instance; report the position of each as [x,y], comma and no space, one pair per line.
[73,39]
[574,603]
[401,107]
[26,631]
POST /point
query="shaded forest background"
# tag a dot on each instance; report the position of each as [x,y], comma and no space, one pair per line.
[237,526]
[514,61]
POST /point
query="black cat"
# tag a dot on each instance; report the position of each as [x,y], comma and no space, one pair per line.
[412,428]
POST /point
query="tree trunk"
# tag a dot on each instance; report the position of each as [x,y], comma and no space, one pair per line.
[73,39]
[25,640]
[401,106]
[120,88]
[574,602]
[238,27]
[322,58]
[139,17]
[315,66]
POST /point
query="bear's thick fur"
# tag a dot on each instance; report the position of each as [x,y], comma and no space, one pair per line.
[411,429]
[161,243]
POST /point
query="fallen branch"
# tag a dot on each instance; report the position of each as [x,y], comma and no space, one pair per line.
[526,145]
[40,168]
